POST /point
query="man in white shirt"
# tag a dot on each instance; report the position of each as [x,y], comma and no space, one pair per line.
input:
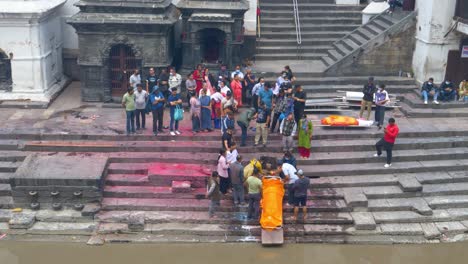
[231,155]
[223,88]
[290,178]
[135,79]
[141,97]
[238,72]
[174,80]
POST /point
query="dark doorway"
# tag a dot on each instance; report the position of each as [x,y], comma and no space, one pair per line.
[5,71]
[212,44]
[122,65]
[462,9]
[457,67]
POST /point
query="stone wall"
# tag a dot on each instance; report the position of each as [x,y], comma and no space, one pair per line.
[388,55]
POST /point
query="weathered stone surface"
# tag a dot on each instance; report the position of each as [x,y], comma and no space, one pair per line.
[433,177]
[355,198]
[409,184]
[458,213]
[376,192]
[451,227]
[430,230]
[401,229]
[401,204]
[410,217]
[136,221]
[363,220]
[95,240]
[5,215]
[4,227]
[448,201]
[60,170]
[60,216]
[181,186]
[325,229]
[90,209]
[58,228]
[112,228]
[22,220]
[370,240]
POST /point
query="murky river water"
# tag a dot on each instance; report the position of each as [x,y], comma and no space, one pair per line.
[74,253]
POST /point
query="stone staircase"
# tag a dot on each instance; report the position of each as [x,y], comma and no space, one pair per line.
[367,36]
[322,23]
[9,162]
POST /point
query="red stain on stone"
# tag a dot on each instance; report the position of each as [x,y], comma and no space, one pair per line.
[179,169]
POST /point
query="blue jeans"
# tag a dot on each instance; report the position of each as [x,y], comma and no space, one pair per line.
[195,123]
[140,113]
[130,121]
[379,114]
[244,132]
[425,95]
[173,121]
[448,96]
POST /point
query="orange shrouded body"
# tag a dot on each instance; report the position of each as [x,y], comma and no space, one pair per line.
[272,203]
[340,121]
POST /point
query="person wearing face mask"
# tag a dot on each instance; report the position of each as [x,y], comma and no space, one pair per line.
[174,80]
[447,91]
[240,75]
[429,89]
[256,90]
[381,99]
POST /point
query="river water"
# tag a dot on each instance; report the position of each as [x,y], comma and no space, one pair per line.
[79,253]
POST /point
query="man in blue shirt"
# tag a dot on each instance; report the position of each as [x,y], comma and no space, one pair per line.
[157,108]
[266,96]
[174,100]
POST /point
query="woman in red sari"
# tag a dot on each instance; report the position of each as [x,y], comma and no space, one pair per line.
[236,87]
[199,76]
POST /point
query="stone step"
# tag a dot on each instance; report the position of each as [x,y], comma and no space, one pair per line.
[432,112]
[314,20]
[132,204]
[309,6]
[6,202]
[289,56]
[266,42]
[191,217]
[377,168]
[5,177]
[308,27]
[444,202]
[383,180]
[62,228]
[5,189]
[311,13]
[322,158]
[415,101]
[181,187]
[292,49]
[9,166]
[342,145]
[303,1]
[309,34]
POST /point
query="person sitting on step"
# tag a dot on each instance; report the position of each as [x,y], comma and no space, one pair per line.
[447,91]
[429,89]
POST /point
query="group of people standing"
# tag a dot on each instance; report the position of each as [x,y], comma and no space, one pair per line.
[246,181]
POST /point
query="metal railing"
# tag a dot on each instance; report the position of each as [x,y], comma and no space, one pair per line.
[297,22]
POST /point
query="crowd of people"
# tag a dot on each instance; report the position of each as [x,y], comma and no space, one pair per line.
[215,102]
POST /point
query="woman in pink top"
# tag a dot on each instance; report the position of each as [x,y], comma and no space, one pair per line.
[236,87]
[222,170]
[209,84]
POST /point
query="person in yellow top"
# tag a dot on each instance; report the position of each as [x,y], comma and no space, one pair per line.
[463,90]
[249,169]
[254,186]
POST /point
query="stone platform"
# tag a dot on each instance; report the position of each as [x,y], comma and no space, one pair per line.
[152,188]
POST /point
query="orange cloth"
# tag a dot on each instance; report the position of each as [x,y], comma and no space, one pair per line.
[272,203]
[236,88]
[340,121]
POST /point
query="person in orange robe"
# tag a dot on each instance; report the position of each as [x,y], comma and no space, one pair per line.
[236,87]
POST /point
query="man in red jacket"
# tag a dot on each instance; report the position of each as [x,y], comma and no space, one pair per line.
[391,132]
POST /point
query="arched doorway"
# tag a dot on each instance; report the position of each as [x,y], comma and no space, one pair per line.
[5,71]
[122,65]
[212,44]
